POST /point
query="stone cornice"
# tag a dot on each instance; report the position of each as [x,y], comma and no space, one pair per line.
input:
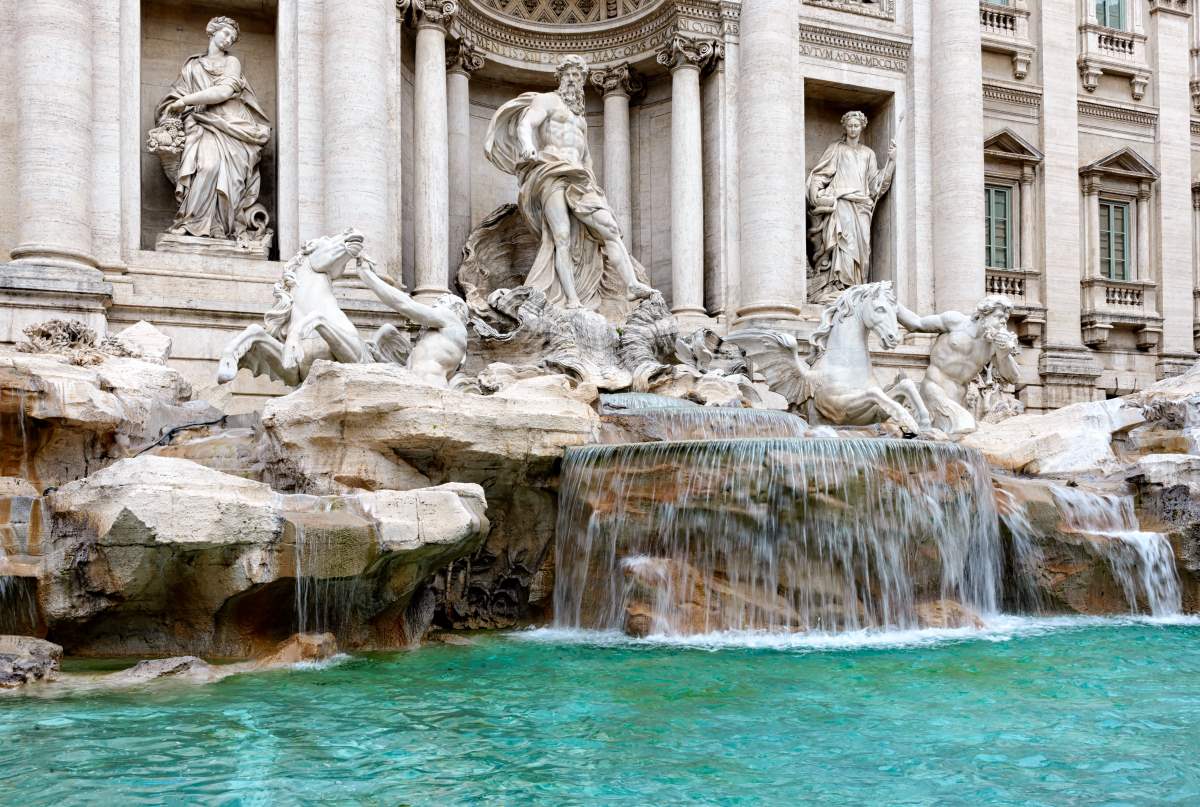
[1179,7]
[854,48]
[1121,113]
[631,38]
[1004,94]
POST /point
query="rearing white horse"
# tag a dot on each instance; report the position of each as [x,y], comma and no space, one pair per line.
[838,384]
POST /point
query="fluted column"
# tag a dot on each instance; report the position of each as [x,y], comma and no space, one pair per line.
[431,160]
[685,56]
[957,101]
[769,142]
[355,123]
[1143,234]
[54,133]
[1028,220]
[462,59]
[1091,225]
[618,83]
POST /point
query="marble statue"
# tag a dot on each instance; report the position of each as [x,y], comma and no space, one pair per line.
[210,136]
[965,348]
[541,138]
[306,323]
[838,385]
[843,189]
[441,348]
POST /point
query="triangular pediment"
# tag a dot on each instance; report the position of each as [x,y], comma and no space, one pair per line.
[1123,163]
[1008,145]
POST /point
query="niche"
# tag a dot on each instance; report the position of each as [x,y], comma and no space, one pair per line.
[171,33]
[824,105]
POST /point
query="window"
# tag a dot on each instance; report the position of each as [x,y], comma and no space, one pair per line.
[1111,13]
[998,226]
[1114,239]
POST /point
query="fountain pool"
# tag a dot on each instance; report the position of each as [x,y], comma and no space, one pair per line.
[1052,712]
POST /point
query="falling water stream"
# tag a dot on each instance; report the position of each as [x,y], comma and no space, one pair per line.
[1142,562]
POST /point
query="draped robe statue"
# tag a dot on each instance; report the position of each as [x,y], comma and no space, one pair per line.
[215,163]
[541,138]
[843,189]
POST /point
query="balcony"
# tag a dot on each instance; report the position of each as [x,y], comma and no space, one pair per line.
[1019,286]
[1006,30]
[1104,50]
[1124,304]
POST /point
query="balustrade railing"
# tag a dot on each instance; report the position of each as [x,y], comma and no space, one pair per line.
[998,20]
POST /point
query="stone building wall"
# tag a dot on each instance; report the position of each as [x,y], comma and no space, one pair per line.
[1031,94]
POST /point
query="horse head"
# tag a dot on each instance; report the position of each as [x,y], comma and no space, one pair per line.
[877,309]
[330,253]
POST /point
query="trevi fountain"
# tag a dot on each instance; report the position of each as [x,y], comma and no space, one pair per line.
[580,402]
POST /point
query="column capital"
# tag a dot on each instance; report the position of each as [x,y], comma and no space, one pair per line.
[1196,195]
[620,79]
[463,56]
[683,50]
[1143,193]
[428,13]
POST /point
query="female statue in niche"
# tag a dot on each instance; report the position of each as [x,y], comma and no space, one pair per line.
[843,189]
[210,139]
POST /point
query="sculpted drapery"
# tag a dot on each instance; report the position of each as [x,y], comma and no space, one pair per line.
[218,180]
[843,189]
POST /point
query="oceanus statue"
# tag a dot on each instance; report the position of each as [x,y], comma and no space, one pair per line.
[837,386]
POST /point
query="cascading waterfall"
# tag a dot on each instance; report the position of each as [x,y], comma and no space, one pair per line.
[672,423]
[1142,562]
[620,401]
[772,534]
[326,589]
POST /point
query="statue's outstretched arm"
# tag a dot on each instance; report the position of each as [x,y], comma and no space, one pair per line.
[400,302]
[934,323]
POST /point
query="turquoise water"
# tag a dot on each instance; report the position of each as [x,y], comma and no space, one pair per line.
[1034,713]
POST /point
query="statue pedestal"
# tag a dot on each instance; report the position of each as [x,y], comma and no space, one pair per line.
[259,250]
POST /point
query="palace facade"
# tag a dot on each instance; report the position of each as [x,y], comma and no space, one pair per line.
[1045,150]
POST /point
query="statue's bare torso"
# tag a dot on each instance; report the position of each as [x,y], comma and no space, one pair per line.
[563,134]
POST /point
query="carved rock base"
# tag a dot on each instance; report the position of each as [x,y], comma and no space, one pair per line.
[215,247]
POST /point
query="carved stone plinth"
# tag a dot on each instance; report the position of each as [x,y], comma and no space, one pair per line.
[215,247]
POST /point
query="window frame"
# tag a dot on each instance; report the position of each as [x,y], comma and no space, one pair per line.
[1104,223]
[1012,233]
[1104,13]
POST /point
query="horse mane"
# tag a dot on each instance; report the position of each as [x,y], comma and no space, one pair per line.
[280,315]
[846,305]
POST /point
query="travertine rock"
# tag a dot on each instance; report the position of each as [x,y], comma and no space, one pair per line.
[62,421]
[352,427]
[24,659]
[143,341]
[946,613]
[157,554]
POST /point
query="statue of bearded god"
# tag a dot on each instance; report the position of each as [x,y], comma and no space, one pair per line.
[541,138]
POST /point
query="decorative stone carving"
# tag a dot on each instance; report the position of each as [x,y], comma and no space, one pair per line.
[442,346]
[464,56]
[541,138]
[620,78]
[843,190]
[566,12]
[966,348]
[883,9]
[684,49]
[428,12]
[306,322]
[838,384]
[210,135]
[833,45]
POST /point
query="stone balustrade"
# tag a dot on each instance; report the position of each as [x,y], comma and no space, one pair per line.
[1109,50]
[1005,29]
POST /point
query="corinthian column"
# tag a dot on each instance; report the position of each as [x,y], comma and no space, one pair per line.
[462,59]
[355,99]
[431,163]
[54,134]
[957,110]
[618,83]
[769,164]
[685,56]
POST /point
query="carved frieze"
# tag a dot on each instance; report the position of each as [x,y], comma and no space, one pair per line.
[882,9]
[854,48]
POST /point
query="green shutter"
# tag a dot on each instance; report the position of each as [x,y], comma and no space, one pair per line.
[1114,240]
[998,226]
[1111,13]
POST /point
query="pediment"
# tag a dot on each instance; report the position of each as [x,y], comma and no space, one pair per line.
[1008,145]
[1124,163]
